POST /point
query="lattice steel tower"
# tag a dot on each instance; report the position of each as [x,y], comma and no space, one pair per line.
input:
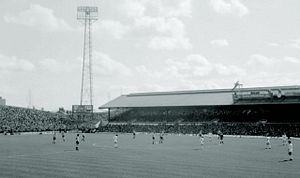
[87,15]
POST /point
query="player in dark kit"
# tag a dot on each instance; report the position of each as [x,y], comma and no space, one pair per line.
[77,142]
[221,139]
[83,138]
[289,137]
[200,134]
[54,138]
[221,136]
[153,139]
[290,150]
[161,138]
[63,136]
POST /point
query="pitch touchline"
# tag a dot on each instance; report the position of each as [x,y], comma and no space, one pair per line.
[23,155]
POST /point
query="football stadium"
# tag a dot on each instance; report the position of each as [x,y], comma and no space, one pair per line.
[158,136]
[166,67]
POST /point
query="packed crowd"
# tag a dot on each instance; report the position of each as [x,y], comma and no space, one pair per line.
[177,114]
[15,119]
[179,120]
[226,128]
[232,113]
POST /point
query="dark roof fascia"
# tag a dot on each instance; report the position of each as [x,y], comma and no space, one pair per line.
[265,103]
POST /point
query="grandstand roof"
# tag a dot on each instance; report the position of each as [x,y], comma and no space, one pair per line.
[164,99]
[182,98]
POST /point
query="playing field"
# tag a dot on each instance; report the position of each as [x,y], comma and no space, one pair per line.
[179,156]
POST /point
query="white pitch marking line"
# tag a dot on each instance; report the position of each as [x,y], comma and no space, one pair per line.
[24,155]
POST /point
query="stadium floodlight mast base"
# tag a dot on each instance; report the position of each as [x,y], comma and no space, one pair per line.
[87,15]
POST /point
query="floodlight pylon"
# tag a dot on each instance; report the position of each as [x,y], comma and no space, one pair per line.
[87,15]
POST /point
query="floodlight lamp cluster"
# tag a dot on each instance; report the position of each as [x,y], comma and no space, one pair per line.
[87,13]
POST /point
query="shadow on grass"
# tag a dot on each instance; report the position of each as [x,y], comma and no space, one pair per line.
[69,150]
[285,160]
[196,149]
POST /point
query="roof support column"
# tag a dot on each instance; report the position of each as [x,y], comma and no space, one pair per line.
[108,115]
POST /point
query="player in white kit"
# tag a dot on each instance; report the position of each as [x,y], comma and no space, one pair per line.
[284,139]
[202,141]
[210,136]
[116,141]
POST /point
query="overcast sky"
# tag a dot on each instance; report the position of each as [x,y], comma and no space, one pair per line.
[145,45]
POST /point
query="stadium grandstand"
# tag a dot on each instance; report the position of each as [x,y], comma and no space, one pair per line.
[238,111]
[242,111]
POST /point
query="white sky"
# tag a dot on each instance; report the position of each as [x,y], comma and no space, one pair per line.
[145,45]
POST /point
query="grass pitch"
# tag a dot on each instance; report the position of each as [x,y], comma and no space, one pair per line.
[178,156]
